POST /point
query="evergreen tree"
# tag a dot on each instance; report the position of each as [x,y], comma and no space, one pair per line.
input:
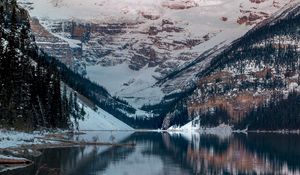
[30,94]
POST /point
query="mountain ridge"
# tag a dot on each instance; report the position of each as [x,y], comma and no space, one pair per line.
[135,79]
[213,73]
[156,46]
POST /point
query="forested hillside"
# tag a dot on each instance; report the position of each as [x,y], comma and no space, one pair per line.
[254,83]
[30,94]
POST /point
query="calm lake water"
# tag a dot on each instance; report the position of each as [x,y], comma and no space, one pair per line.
[172,154]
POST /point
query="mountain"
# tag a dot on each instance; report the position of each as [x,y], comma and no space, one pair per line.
[221,61]
[254,83]
[130,49]
[37,91]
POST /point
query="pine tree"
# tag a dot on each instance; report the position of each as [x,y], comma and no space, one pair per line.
[82,112]
[29,94]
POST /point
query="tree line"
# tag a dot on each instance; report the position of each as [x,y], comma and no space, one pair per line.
[277,114]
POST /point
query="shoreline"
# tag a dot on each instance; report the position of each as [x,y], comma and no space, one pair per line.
[63,139]
[17,145]
[275,131]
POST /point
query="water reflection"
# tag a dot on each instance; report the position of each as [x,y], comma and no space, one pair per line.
[180,153]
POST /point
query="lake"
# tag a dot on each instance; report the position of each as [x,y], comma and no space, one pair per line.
[162,153]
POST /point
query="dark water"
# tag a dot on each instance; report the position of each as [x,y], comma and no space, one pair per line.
[174,154]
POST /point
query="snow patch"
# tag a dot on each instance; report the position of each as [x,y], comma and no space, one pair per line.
[223,130]
[101,120]
[133,86]
[11,139]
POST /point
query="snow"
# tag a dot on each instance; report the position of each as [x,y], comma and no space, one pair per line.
[189,130]
[90,136]
[101,10]
[95,118]
[134,86]
[72,42]
[294,87]
[138,87]
[10,139]
[11,157]
[101,120]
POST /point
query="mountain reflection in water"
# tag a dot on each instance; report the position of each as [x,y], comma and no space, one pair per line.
[158,153]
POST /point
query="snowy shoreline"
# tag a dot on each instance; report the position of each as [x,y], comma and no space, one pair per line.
[16,145]
[16,139]
[225,129]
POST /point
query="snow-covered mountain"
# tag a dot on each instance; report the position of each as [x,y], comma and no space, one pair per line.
[128,46]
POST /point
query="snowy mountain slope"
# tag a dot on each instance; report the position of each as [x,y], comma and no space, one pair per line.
[184,77]
[251,76]
[94,118]
[128,49]
[101,120]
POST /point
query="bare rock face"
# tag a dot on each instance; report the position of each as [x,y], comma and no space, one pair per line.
[50,44]
[177,6]
[252,18]
[78,31]
[224,18]
[257,1]
[150,16]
